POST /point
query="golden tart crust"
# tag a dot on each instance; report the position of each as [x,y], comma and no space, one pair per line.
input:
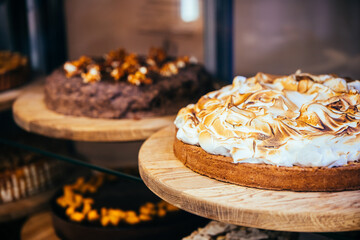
[266,176]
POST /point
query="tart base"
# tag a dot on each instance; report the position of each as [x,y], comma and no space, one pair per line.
[13,78]
[265,176]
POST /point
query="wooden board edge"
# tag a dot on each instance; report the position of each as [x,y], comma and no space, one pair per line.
[123,135]
[281,224]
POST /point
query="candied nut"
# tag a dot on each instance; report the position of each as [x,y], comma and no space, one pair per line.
[104,211]
[150,62]
[145,210]
[86,208]
[168,69]
[77,216]
[161,212]
[70,69]
[144,217]
[138,78]
[69,211]
[143,70]
[132,220]
[68,193]
[114,220]
[117,73]
[149,205]
[61,201]
[76,67]
[130,214]
[83,188]
[131,59]
[77,200]
[133,80]
[92,75]
[182,61]
[117,212]
[93,215]
[105,220]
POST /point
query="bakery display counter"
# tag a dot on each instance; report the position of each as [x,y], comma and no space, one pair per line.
[167,177]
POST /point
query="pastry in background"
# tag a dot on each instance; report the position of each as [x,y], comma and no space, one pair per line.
[14,70]
[24,174]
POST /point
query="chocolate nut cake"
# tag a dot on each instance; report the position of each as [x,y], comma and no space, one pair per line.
[123,85]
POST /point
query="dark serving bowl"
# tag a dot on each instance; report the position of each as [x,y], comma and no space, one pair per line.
[126,196]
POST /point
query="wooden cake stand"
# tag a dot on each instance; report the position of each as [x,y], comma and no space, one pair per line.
[39,227]
[167,177]
[23,207]
[31,114]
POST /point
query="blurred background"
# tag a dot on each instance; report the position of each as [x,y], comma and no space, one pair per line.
[239,37]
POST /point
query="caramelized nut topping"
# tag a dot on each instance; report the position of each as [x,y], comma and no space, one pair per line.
[117,73]
[138,78]
[121,65]
[169,69]
[92,75]
[76,67]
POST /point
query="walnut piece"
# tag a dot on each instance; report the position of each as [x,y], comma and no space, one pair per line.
[138,78]
[92,75]
[169,69]
[121,65]
[73,68]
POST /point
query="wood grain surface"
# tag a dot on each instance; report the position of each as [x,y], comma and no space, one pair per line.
[39,227]
[31,114]
[167,177]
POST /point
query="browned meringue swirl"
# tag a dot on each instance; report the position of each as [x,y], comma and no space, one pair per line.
[300,119]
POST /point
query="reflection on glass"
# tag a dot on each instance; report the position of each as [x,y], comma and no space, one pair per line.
[189,10]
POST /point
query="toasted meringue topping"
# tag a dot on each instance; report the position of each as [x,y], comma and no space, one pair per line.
[297,120]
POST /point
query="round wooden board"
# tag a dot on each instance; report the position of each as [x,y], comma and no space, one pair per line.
[31,114]
[39,227]
[167,177]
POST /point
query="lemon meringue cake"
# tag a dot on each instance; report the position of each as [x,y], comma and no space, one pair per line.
[299,132]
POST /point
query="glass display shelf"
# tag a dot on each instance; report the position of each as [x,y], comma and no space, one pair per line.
[13,136]
[63,150]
